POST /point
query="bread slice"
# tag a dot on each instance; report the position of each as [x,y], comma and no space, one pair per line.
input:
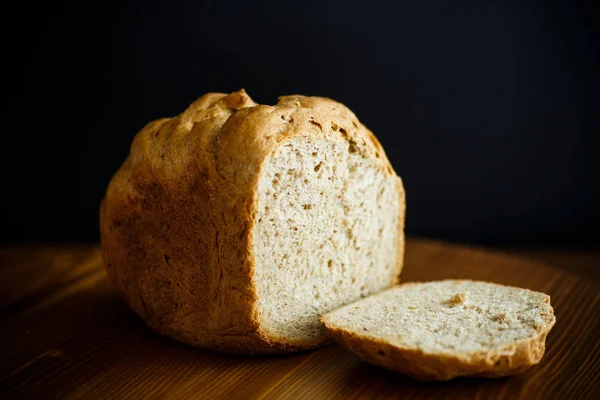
[233,226]
[443,329]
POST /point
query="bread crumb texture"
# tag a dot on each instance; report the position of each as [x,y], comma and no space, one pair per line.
[324,236]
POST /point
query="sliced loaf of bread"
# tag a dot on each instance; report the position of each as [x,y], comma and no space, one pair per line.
[443,329]
[234,225]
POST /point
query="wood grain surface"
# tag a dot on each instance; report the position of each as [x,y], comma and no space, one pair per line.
[66,334]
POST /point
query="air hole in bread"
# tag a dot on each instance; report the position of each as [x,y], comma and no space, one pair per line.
[312,121]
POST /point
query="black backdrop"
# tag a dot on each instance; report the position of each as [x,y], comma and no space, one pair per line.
[488,110]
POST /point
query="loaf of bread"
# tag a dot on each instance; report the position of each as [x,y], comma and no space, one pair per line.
[234,226]
[444,329]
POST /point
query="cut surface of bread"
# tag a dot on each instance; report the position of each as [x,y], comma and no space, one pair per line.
[326,234]
[234,225]
[444,329]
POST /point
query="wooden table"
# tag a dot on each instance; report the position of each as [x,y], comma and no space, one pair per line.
[67,334]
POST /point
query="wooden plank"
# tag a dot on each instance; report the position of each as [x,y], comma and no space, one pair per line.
[27,276]
[70,336]
[86,304]
[586,265]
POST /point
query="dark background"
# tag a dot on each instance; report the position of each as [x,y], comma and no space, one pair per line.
[488,110]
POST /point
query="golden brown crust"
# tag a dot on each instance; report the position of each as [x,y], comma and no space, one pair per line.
[177,218]
[508,360]
[401,221]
